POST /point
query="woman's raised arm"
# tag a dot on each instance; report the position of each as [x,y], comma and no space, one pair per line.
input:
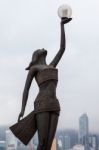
[62,43]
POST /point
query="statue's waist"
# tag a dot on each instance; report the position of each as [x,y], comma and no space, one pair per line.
[46,101]
[46,95]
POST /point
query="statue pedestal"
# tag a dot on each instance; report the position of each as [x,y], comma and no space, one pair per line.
[54,145]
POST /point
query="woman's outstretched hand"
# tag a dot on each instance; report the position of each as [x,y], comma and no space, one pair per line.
[21,115]
[65,20]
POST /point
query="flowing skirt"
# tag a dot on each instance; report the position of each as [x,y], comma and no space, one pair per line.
[25,129]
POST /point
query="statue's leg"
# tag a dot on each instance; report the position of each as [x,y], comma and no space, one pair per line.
[52,129]
[43,121]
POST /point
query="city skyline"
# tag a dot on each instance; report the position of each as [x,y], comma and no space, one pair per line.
[83,128]
[63,140]
[27,26]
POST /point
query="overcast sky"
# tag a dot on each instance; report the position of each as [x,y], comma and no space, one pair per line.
[29,25]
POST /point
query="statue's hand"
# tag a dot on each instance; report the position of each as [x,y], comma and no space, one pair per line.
[65,20]
[21,115]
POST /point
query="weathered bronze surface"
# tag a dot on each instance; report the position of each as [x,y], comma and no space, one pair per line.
[44,118]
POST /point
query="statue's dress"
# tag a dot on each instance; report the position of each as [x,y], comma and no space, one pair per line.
[46,100]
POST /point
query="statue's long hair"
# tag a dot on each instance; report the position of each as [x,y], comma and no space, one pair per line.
[34,59]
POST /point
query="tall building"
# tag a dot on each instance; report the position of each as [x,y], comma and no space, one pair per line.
[11,141]
[2,133]
[83,129]
[93,142]
[60,142]
[67,142]
[2,145]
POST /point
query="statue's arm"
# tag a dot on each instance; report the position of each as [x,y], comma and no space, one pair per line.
[29,79]
[62,43]
[26,89]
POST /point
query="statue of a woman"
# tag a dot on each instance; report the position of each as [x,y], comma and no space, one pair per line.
[46,105]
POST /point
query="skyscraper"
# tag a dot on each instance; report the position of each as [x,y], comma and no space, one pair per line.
[67,142]
[11,142]
[83,129]
[2,145]
[93,142]
[60,142]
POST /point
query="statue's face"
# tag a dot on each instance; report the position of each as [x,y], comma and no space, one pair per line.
[42,52]
[38,53]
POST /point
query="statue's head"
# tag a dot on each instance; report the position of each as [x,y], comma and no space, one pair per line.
[36,56]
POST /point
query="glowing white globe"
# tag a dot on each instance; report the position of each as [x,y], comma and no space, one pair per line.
[64,11]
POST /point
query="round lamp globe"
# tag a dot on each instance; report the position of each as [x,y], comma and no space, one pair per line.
[64,11]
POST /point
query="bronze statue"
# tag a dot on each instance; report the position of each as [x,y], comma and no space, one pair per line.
[44,118]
